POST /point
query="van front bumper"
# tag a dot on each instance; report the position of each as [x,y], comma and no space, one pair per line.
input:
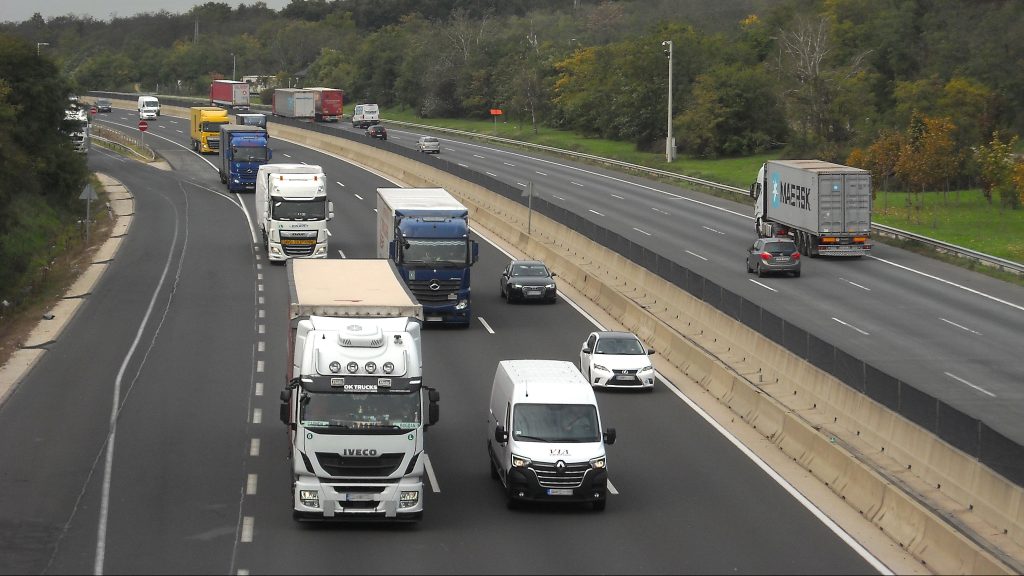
[524,485]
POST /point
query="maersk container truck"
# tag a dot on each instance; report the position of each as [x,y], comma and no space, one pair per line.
[824,207]
[425,232]
[355,404]
[292,210]
[243,149]
[230,94]
[328,104]
[293,103]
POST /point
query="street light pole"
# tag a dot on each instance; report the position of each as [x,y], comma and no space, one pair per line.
[39,45]
[232,65]
[669,148]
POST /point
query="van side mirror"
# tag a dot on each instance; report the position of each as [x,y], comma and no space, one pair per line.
[500,434]
[609,436]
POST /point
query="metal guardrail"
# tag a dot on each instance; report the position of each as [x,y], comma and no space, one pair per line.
[937,245]
[122,140]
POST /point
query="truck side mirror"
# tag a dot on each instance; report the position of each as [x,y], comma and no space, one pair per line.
[475,250]
[391,250]
[330,210]
[609,436]
[270,153]
[433,410]
[286,396]
[284,413]
[500,434]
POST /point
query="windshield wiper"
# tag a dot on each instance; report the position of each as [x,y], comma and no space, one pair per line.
[528,437]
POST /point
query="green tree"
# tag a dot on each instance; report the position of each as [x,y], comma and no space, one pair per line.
[735,111]
[996,162]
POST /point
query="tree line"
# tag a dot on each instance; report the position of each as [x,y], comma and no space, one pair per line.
[870,82]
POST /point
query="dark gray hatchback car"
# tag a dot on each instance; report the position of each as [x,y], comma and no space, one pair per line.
[528,280]
[773,255]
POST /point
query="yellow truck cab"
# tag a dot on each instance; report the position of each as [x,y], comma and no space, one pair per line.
[205,123]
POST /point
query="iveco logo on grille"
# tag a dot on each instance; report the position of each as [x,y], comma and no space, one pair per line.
[434,285]
[359,452]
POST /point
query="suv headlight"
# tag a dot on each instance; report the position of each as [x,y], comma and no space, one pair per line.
[550,286]
[520,462]
[601,368]
[647,368]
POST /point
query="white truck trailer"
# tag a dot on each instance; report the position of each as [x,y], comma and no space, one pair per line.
[355,404]
[292,210]
[824,207]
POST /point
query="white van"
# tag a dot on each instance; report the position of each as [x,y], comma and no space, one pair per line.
[365,115]
[149,107]
[544,434]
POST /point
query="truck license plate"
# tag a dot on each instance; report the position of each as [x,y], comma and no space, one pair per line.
[358,497]
[559,491]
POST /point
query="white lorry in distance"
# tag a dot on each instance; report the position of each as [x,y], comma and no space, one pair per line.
[355,405]
[292,210]
[544,434]
[824,207]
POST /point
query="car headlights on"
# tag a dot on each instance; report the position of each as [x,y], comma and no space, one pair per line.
[601,368]
[550,286]
[517,286]
[519,461]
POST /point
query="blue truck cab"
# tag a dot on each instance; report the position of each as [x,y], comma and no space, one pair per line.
[425,232]
[243,149]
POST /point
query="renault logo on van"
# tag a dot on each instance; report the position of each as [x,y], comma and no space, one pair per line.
[560,466]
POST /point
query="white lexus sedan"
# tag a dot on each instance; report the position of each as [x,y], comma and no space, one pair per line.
[616,360]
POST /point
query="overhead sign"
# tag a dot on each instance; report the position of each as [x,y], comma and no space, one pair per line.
[143,125]
[496,112]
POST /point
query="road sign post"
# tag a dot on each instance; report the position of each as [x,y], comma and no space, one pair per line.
[143,126]
[495,112]
[88,194]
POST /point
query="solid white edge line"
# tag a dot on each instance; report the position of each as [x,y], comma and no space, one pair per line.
[951,283]
[430,474]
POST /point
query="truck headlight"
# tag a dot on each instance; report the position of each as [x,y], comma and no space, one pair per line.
[409,499]
[462,305]
[321,250]
[275,250]
[597,463]
[309,498]
[520,462]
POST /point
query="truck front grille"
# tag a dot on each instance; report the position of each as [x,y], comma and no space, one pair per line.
[549,476]
[298,243]
[426,294]
[353,467]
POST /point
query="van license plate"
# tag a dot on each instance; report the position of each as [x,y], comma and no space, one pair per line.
[559,491]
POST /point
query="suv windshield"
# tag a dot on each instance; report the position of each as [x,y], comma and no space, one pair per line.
[555,423]
[619,346]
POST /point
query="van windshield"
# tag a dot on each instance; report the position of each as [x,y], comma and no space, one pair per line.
[555,423]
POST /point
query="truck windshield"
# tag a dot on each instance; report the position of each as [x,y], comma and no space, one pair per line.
[436,251]
[389,413]
[249,154]
[299,209]
[555,423]
[212,126]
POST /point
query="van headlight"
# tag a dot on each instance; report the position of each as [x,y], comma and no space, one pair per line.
[597,463]
[520,462]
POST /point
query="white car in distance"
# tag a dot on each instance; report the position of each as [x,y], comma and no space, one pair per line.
[616,360]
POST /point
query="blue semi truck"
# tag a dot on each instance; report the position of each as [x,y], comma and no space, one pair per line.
[425,232]
[243,149]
